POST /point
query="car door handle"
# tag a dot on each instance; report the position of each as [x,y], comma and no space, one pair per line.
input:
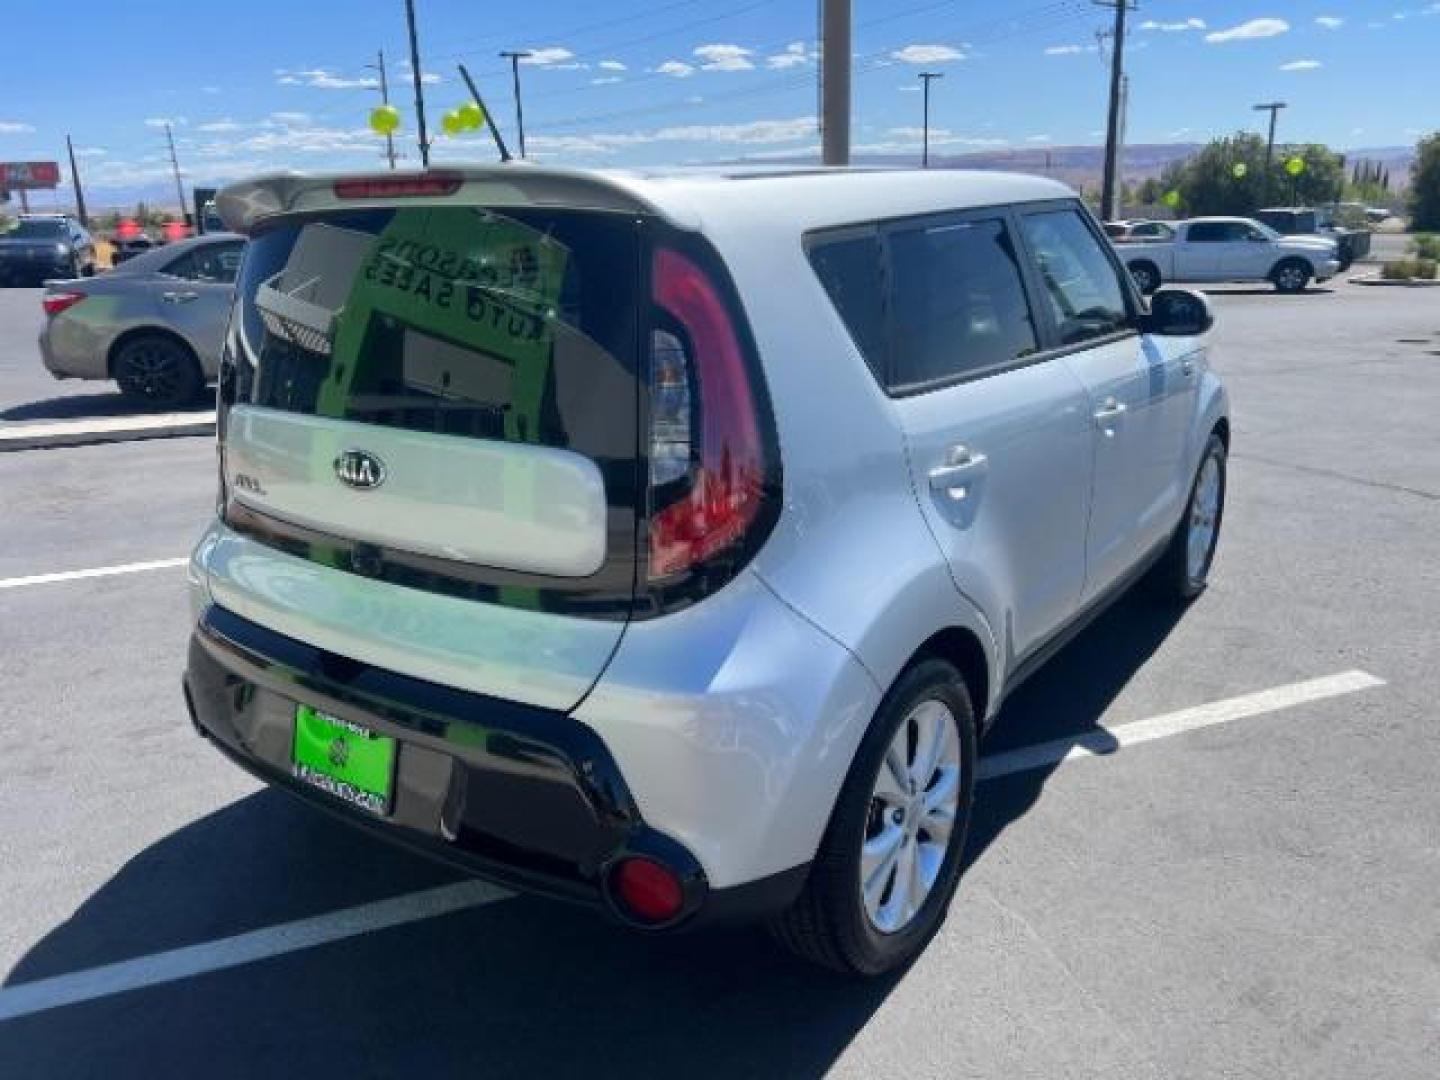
[1110,414]
[962,466]
[179,297]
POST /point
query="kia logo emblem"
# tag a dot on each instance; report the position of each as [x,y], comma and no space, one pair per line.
[359,469]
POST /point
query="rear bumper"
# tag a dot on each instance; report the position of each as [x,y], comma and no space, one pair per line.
[523,796]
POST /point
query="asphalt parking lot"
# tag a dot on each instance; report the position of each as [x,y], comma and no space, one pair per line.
[1249,890]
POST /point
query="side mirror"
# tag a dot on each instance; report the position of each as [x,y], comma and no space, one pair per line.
[1178,313]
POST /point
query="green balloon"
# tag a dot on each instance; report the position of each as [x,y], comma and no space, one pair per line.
[1240,170]
[471,115]
[1295,166]
[1171,199]
[450,123]
[384,119]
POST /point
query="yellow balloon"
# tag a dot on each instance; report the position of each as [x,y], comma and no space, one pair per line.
[1295,166]
[471,115]
[450,123]
[1240,170]
[384,119]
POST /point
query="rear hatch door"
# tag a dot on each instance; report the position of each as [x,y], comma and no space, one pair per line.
[430,441]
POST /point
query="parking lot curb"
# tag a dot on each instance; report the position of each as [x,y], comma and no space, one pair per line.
[38,434]
[1404,283]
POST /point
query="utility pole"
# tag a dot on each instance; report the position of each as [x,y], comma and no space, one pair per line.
[925,77]
[419,93]
[835,82]
[1273,108]
[79,191]
[515,58]
[1109,189]
[379,66]
[175,168]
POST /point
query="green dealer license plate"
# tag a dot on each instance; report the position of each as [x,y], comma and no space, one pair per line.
[345,759]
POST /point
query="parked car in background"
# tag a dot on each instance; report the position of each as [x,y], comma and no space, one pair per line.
[1351,244]
[1129,232]
[40,246]
[125,248]
[154,324]
[1216,249]
[543,515]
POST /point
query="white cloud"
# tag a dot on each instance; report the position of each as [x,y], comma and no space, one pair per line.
[1070,50]
[15,127]
[927,54]
[90,151]
[552,56]
[606,80]
[1329,22]
[210,89]
[746,133]
[1301,65]
[724,58]
[794,55]
[1180,26]
[323,79]
[161,121]
[290,117]
[1249,31]
[677,68]
[1038,138]
[611,65]
[219,125]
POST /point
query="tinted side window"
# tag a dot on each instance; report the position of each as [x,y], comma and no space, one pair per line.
[1208,232]
[957,302]
[850,271]
[1086,297]
[211,263]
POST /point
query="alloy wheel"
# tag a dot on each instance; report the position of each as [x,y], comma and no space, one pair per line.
[912,817]
[1204,520]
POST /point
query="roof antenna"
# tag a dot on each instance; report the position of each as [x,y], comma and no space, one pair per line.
[489,122]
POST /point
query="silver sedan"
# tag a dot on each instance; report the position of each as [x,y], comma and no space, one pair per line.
[153,324]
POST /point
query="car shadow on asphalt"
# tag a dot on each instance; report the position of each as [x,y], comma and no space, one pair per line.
[517,987]
[1266,290]
[1064,702]
[95,406]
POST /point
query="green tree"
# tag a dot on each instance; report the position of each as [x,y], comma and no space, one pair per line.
[1425,186]
[1228,176]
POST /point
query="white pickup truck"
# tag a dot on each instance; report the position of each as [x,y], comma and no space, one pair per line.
[1230,249]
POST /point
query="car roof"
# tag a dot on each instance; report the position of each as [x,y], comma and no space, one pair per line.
[160,254]
[801,197]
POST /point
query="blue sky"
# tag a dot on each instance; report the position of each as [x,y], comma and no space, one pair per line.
[283,83]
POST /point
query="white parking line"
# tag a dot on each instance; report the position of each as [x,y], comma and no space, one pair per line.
[94,572]
[157,968]
[74,988]
[1110,740]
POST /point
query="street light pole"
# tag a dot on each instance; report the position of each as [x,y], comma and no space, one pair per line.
[1273,108]
[385,99]
[415,73]
[515,57]
[925,77]
[175,169]
[79,191]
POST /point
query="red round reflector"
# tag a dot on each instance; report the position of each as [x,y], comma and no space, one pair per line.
[646,890]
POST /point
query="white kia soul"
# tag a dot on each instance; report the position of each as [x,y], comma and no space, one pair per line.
[665,541]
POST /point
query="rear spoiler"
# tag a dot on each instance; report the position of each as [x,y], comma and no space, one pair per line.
[243,206]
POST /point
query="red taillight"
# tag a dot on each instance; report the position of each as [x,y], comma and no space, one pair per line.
[727,469]
[647,891]
[55,303]
[397,187]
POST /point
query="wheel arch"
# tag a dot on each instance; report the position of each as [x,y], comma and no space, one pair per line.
[147,330]
[962,647]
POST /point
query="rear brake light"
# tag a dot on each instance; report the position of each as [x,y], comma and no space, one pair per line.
[724,460]
[55,303]
[397,187]
[647,891]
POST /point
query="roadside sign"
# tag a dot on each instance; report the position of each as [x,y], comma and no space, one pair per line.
[29,175]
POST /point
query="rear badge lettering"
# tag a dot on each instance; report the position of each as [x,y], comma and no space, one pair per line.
[360,470]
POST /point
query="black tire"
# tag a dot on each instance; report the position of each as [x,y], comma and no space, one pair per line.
[828,924]
[157,370]
[1172,578]
[1146,275]
[1291,275]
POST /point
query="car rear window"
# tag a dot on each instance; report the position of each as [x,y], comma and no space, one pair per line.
[452,320]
